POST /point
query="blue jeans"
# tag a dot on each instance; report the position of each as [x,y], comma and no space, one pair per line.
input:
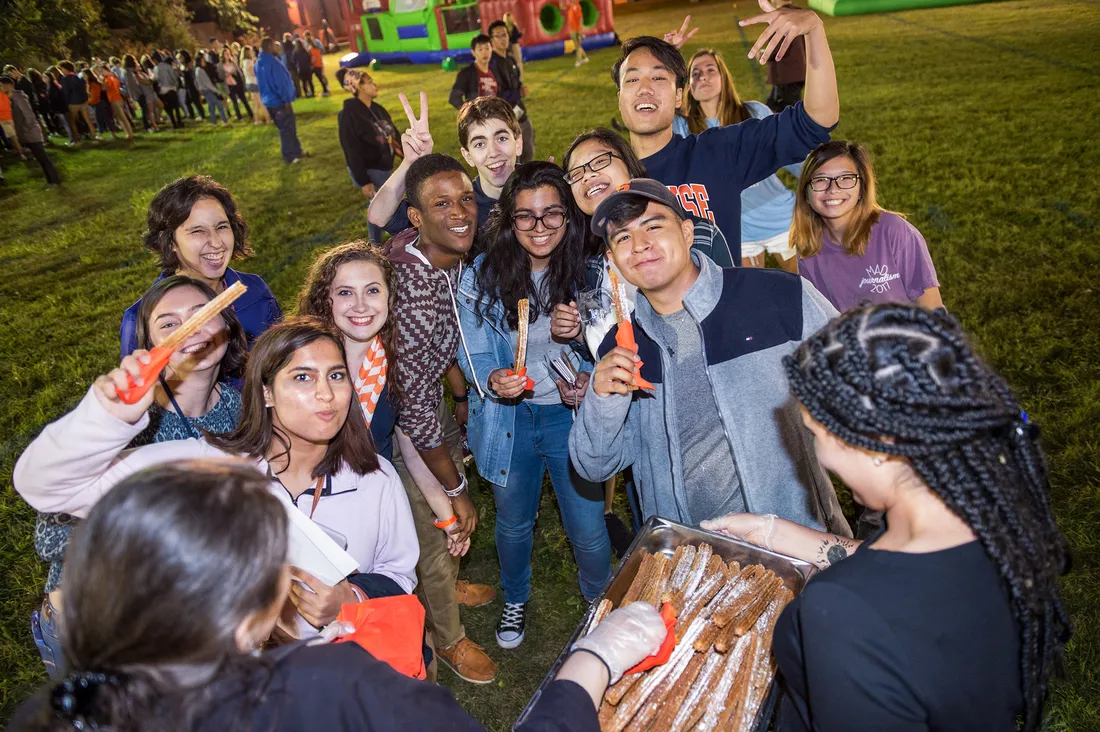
[283,117]
[216,107]
[542,443]
[48,639]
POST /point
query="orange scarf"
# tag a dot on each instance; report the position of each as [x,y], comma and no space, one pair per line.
[371,378]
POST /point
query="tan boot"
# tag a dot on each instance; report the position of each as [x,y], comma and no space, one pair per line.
[469,661]
[472,595]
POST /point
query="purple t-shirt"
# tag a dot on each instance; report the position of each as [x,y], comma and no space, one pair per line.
[896,268]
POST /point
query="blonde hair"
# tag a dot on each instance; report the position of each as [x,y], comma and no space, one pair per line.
[731,109]
[807,227]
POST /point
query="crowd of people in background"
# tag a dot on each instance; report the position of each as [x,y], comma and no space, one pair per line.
[684,387]
[85,100]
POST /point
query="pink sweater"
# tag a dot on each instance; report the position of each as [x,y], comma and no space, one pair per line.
[78,458]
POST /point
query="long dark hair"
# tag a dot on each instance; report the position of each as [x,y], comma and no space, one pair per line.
[315,299]
[505,273]
[172,206]
[352,446]
[612,140]
[901,380]
[149,624]
[236,352]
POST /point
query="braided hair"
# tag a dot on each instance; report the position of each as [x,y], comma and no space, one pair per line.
[901,380]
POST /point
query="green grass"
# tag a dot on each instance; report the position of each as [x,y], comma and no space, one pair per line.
[982,120]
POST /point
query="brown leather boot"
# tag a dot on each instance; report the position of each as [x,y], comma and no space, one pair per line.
[469,661]
[472,595]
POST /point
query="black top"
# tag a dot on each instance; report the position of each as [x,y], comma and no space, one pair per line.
[342,687]
[365,137]
[507,71]
[901,642]
[467,87]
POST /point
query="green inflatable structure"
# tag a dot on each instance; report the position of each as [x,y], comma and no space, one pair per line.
[862,7]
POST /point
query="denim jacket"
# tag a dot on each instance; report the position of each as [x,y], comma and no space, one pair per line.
[748,319]
[490,345]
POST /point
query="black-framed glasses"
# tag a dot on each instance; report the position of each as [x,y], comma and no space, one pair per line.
[528,222]
[845,182]
[599,162]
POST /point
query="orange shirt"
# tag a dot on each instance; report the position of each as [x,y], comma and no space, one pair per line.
[95,89]
[575,17]
[114,88]
[315,57]
[5,108]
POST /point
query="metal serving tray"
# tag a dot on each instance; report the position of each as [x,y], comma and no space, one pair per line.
[662,535]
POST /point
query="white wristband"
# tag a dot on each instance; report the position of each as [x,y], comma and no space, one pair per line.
[769,530]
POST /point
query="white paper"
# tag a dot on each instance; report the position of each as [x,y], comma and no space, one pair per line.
[311,549]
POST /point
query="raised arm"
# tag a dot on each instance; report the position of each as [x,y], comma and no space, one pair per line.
[78,458]
[786,537]
[821,100]
[415,143]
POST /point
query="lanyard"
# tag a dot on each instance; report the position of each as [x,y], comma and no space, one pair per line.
[194,430]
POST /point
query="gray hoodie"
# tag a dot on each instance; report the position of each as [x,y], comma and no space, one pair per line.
[749,319]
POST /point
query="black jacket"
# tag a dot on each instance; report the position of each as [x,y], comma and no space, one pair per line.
[76,89]
[466,85]
[507,73]
[364,137]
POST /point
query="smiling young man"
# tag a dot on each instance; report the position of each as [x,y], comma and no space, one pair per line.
[428,260]
[707,172]
[720,422]
[490,140]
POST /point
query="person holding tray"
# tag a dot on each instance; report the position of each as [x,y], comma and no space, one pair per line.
[194,229]
[520,428]
[190,396]
[718,432]
[297,426]
[183,657]
[951,618]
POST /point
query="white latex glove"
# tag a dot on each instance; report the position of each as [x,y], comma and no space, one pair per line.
[625,638]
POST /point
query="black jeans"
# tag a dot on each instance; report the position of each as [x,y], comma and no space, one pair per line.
[320,74]
[237,93]
[38,150]
[785,95]
[172,108]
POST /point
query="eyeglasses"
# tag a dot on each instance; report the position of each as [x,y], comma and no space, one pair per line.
[527,222]
[844,182]
[599,162]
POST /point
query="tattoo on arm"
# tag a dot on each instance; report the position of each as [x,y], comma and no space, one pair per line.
[833,550]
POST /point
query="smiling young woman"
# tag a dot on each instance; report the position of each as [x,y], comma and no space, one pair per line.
[299,425]
[194,229]
[536,238]
[849,247]
[190,399]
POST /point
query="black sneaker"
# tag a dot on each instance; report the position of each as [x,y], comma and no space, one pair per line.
[512,624]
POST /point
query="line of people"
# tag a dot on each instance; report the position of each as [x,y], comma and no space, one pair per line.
[344,401]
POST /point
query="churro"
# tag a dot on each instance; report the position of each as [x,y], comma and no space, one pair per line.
[523,313]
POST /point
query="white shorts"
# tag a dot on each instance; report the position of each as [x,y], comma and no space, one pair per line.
[779,245]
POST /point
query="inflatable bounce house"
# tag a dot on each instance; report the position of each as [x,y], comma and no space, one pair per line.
[429,31]
[862,7]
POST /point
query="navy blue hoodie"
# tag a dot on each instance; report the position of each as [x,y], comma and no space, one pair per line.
[708,171]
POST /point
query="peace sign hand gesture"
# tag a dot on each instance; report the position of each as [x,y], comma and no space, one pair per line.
[677,37]
[417,140]
[784,25]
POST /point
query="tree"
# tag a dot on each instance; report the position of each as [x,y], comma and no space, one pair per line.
[41,30]
[152,22]
[233,16]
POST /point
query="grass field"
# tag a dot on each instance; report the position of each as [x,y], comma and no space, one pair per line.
[983,122]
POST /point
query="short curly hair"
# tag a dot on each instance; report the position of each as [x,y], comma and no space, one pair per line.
[171,207]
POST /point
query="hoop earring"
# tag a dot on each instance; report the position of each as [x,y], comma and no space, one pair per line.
[877,460]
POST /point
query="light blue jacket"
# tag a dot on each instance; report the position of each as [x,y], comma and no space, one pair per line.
[489,345]
[766,207]
[749,318]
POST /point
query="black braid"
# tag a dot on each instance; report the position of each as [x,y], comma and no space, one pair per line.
[904,381]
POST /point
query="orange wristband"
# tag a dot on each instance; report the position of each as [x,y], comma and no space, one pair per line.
[444,524]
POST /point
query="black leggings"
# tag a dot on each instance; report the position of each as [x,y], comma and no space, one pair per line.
[236,92]
[320,74]
[172,108]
